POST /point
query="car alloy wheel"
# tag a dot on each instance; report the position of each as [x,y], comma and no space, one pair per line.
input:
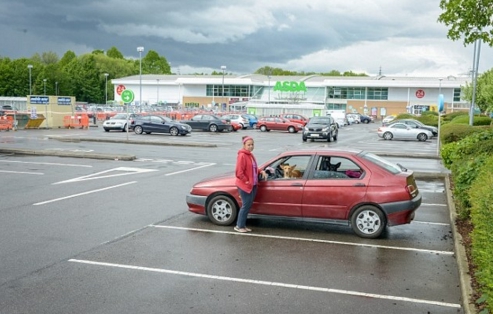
[422,137]
[222,210]
[212,128]
[368,222]
[291,129]
[263,128]
[387,136]
[173,131]
[138,129]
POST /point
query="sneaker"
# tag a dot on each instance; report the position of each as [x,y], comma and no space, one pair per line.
[248,230]
[241,230]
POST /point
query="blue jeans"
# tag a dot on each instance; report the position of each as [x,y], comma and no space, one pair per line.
[247,201]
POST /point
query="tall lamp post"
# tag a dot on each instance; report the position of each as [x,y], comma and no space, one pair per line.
[440,109]
[223,67]
[56,88]
[30,66]
[475,66]
[157,92]
[140,49]
[44,87]
[106,88]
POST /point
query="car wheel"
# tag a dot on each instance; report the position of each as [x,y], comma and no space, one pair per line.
[329,138]
[138,129]
[222,210]
[304,138]
[422,137]
[367,121]
[335,136]
[387,136]
[368,222]
[173,131]
[254,126]
[263,128]
[124,128]
[212,128]
[106,130]
[291,129]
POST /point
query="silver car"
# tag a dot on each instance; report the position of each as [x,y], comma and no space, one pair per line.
[401,131]
[118,122]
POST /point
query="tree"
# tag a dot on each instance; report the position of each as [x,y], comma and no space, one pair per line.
[114,53]
[469,18]
[152,63]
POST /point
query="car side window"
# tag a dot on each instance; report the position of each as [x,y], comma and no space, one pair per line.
[330,167]
[155,120]
[288,168]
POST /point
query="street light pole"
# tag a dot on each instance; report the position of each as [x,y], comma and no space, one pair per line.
[30,66]
[157,92]
[56,88]
[475,66]
[223,67]
[440,103]
[44,87]
[140,49]
[106,88]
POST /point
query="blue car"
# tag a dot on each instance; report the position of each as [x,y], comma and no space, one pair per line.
[253,120]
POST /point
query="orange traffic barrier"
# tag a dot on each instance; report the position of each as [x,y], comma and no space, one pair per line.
[6,123]
[80,121]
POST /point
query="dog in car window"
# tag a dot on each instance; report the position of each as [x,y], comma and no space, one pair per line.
[326,165]
[290,172]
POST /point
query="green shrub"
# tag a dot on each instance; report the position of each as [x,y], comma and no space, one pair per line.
[451,132]
[478,120]
[429,113]
[479,141]
[405,116]
[428,119]
[481,198]
[451,116]
[465,172]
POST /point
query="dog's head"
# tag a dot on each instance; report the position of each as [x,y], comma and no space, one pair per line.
[287,169]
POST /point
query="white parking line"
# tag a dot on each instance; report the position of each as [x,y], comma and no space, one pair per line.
[191,169]
[22,172]
[268,283]
[84,193]
[309,240]
[46,163]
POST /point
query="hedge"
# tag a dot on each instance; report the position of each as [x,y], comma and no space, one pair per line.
[477,120]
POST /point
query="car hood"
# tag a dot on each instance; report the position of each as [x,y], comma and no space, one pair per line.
[226,179]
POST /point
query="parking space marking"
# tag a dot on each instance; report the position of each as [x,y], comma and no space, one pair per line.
[431,223]
[268,283]
[22,172]
[46,163]
[308,240]
[84,193]
[427,204]
[120,171]
[190,169]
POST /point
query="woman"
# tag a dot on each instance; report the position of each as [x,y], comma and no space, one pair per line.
[246,180]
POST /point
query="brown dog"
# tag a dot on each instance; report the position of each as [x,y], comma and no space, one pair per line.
[290,172]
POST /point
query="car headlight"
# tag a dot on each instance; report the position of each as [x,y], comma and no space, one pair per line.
[325,129]
[305,129]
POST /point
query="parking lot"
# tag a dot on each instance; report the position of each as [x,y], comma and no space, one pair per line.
[108,236]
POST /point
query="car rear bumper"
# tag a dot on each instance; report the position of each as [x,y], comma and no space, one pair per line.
[399,213]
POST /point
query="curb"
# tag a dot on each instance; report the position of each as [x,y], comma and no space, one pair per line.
[168,143]
[61,153]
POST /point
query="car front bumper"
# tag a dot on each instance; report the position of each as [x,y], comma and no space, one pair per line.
[196,203]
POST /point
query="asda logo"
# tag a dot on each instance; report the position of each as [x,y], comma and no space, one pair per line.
[290,86]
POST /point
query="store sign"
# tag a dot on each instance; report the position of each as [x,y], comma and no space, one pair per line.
[64,101]
[290,86]
[43,100]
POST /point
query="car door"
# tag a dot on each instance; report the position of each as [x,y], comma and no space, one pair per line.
[161,125]
[195,122]
[334,185]
[280,196]
[400,131]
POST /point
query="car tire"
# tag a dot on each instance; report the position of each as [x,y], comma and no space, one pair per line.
[106,130]
[263,128]
[173,131]
[254,126]
[304,138]
[335,136]
[387,136]
[222,210]
[368,222]
[291,129]
[422,137]
[124,129]
[329,138]
[212,128]
[138,129]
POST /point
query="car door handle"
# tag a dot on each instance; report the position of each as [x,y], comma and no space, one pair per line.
[296,184]
[359,184]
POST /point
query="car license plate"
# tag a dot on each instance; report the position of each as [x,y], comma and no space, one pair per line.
[315,135]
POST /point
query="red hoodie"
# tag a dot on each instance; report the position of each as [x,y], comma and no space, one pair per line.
[244,170]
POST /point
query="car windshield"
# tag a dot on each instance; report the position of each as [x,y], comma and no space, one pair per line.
[387,165]
[320,120]
[119,116]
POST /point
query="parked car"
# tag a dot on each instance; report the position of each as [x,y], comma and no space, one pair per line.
[119,122]
[354,118]
[321,128]
[253,120]
[294,117]
[401,131]
[208,122]
[236,126]
[365,119]
[278,124]
[238,118]
[418,125]
[341,122]
[159,124]
[345,187]
[387,119]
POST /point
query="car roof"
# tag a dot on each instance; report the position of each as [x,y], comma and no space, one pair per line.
[312,151]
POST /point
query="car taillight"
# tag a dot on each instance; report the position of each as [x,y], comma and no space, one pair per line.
[412,190]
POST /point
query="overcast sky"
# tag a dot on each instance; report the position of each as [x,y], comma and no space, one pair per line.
[401,37]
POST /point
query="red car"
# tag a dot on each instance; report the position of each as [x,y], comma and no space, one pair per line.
[278,124]
[295,118]
[346,187]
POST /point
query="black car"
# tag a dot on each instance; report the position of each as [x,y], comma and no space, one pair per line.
[365,119]
[159,124]
[417,124]
[321,128]
[208,122]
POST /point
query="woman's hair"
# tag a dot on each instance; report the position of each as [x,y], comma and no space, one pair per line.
[246,138]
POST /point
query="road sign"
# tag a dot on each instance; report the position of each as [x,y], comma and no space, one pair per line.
[127,96]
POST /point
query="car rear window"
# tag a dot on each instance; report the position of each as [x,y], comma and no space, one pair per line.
[387,165]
